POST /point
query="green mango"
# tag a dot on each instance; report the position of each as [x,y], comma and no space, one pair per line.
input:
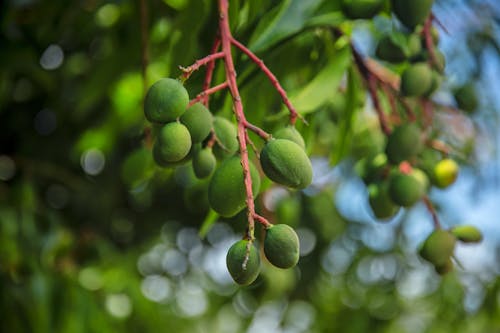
[361,9]
[226,191]
[438,247]
[380,202]
[407,189]
[290,133]
[242,273]
[466,98]
[173,142]
[165,100]
[467,233]
[227,138]
[416,80]
[199,122]
[204,163]
[286,163]
[412,12]
[403,143]
[281,246]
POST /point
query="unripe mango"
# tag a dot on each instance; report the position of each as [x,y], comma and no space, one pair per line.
[227,141]
[467,233]
[445,173]
[166,100]
[416,80]
[226,191]
[281,246]
[361,9]
[407,189]
[466,98]
[403,143]
[371,168]
[290,133]
[444,269]
[398,47]
[438,247]
[204,163]
[380,202]
[173,142]
[412,12]
[198,120]
[243,272]
[286,163]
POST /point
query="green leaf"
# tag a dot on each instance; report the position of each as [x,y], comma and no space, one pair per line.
[323,87]
[290,17]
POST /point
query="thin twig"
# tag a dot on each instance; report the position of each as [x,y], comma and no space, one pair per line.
[257,130]
[372,88]
[187,71]
[432,211]
[208,92]
[210,71]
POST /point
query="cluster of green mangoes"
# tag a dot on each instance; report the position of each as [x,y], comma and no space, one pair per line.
[281,248]
[402,175]
[439,246]
[183,135]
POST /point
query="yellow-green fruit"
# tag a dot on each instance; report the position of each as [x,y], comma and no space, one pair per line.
[226,191]
[227,141]
[361,9]
[406,189]
[466,98]
[416,80]
[445,173]
[173,142]
[403,143]
[281,246]
[204,163]
[436,83]
[162,162]
[412,12]
[166,100]
[438,247]
[198,120]
[290,133]
[286,163]
[243,271]
[380,202]
[467,233]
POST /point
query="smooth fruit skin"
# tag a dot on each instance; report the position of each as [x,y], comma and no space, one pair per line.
[174,142]
[445,173]
[286,163]
[467,233]
[438,247]
[198,120]
[389,51]
[204,163]
[416,80]
[403,143]
[380,202]
[235,259]
[227,142]
[361,9]
[406,189]
[226,191]
[166,100]
[290,133]
[466,98]
[281,246]
[412,12]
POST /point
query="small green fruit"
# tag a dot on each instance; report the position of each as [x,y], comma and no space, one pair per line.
[467,233]
[380,202]
[243,272]
[397,47]
[444,269]
[466,98]
[361,9]
[173,142]
[198,120]
[407,189]
[438,247]
[403,143]
[445,173]
[290,133]
[226,191]
[412,12]
[227,142]
[416,80]
[286,163]
[166,100]
[371,168]
[281,246]
[204,163]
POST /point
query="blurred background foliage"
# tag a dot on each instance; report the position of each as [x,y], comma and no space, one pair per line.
[94,238]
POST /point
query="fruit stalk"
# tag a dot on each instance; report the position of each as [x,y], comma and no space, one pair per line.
[274,81]
[207,92]
[431,210]
[429,44]
[210,71]
[187,71]
[372,88]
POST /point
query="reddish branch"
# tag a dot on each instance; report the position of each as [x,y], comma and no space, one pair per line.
[201,62]
[257,130]
[274,81]
[432,211]
[210,70]
[207,92]
[372,88]
[429,43]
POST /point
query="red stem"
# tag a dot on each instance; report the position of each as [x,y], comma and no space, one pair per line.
[431,210]
[225,34]
[372,87]
[257,130]
[210,71]
[205,93]
[274,81]
[198,63]
[429,43]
